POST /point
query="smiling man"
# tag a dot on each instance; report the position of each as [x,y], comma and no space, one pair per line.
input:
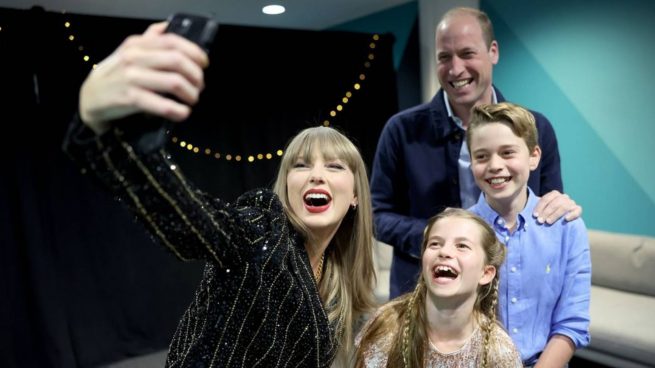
[422,164]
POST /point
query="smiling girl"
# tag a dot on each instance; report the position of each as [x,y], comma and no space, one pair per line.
[449,319]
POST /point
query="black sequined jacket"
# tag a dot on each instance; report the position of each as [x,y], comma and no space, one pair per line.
[257,304]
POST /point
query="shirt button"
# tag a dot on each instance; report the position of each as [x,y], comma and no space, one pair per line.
[513,269]
[514,300]
[506,238]
[515,330]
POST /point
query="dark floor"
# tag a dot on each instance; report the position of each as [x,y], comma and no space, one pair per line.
[157,360]
[581,363]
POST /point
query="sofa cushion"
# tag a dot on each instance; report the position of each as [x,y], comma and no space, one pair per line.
[382,254]
[622,324]
[623,262]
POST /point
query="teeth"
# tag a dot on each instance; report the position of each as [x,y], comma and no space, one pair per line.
[445,271]
[460,83]
[497,180]
[316,196]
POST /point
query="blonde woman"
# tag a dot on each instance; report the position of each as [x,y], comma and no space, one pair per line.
[289,272]
[449,320]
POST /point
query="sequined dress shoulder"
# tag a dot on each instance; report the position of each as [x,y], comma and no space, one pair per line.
[257,304]
[503,352]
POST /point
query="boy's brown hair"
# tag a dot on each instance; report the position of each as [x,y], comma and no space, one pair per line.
[518,119]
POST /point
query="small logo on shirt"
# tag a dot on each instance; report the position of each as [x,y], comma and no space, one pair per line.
[548,268]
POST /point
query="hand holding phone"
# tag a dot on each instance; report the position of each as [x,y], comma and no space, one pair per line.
[196,28]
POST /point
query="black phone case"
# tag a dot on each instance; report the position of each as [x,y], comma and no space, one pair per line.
[196,28]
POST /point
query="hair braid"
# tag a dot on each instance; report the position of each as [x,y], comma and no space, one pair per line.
[407,323]
[405,319]
[490,313]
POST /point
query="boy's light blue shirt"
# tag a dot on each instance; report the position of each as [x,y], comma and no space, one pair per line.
[545,280]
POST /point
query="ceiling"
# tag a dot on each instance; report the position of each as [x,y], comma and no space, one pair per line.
[300,14]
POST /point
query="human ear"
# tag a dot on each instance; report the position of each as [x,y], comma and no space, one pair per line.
[494,52]
[488,274]
[535,157]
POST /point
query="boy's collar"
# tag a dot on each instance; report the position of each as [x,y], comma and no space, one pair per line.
[492,217]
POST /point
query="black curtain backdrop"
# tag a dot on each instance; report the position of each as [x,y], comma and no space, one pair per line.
[81,284]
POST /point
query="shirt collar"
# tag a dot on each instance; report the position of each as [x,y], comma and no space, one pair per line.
[456,119]
[491,216]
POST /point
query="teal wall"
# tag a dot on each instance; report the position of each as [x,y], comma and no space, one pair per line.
[588,66]
[397,20]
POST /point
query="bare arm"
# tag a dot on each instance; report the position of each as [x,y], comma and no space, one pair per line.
[554,205]
[557,353]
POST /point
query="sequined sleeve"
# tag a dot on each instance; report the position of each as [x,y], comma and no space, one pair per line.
[133,164]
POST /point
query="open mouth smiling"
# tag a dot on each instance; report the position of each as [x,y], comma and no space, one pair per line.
[461,83]
[498,180]
[317,200]
[442,271]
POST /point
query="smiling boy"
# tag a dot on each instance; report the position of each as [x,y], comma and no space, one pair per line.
[546,278]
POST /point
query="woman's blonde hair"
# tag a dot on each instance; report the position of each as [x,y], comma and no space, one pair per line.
[346,287]
[405,317]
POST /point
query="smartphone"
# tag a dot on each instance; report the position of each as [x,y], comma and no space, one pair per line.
[196,28]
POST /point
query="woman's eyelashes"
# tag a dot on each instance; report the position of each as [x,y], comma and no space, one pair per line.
[299,165]
[335,165]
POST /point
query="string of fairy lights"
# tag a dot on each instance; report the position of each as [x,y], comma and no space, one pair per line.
[190,147]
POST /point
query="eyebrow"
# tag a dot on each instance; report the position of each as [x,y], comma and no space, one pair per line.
[468,48]
[459,238]
[504,146]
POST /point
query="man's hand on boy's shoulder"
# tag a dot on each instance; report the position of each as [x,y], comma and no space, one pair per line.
[553,205]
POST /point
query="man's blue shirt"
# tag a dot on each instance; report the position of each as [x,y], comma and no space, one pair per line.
[468,190]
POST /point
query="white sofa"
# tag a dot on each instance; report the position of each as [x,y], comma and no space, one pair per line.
[382,254]
[622,298]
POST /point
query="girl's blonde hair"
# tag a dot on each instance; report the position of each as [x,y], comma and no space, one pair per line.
[405,318]
[346,287]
